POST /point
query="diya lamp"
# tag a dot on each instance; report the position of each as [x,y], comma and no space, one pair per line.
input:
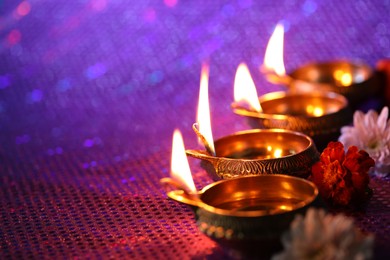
[353,79]
[314,112]
[245,215]
[252,152]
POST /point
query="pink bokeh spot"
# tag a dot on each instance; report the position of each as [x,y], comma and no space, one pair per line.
[170,3]
[14,37]
[23,8]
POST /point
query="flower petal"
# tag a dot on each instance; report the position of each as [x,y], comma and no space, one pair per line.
[358,117]
[359,122]
[382,119]
[358,161]
[370,118]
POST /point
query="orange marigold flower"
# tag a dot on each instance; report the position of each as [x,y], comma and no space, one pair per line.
[358,161]
[333,152]
[342,178]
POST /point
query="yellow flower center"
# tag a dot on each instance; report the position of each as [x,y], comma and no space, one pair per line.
[373,144]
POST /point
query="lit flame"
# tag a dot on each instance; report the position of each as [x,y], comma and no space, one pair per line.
[245,89]
[273,59]
[203,115]
[342,77]
[180,169]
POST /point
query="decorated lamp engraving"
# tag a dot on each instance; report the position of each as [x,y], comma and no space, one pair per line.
[259,151]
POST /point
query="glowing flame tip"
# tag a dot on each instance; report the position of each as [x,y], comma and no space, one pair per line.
[245,89]
[203,115]
[180,169]
[273,59]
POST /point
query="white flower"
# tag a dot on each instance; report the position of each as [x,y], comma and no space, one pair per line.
[324,236]
[371,133]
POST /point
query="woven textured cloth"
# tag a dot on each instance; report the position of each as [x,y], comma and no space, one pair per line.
[91,91]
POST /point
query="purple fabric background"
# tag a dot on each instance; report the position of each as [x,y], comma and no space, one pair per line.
[91,90]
